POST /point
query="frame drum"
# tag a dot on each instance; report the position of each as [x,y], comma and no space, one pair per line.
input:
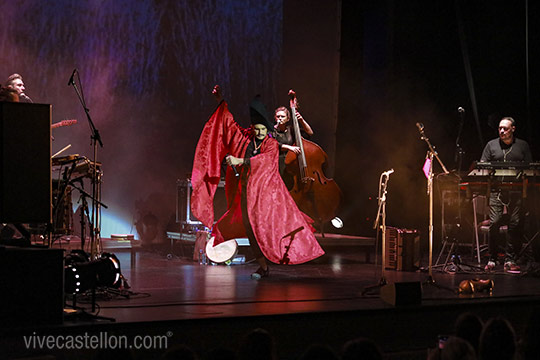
[221,253]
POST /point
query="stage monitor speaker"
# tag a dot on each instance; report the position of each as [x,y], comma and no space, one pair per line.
[25,156]
[402,293]
[402,249]
[183,202]
[32,286]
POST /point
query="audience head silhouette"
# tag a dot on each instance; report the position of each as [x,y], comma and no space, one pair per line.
[257,344]
[498,340]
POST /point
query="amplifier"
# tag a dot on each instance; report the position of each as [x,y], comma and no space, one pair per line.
[402,250]
[25,163]
[32,286]
[183,202]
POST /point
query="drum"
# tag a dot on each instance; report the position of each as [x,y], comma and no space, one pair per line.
[221,253]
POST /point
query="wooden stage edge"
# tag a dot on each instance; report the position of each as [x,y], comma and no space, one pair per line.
[401,332]
[209,307]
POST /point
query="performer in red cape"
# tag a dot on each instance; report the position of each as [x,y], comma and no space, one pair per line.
[259,205]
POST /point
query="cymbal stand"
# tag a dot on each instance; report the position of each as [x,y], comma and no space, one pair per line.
[85,210]
[61,193]
[95,139]
[381,216]
[533,214]
[430,155]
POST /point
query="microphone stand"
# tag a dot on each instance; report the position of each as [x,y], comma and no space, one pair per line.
[381,214]
[458,157]
[431,153]
[459,162]
[95,139]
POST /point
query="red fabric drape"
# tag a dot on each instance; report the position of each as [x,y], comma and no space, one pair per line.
[273,215]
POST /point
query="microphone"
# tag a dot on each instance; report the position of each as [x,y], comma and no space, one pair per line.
[70,82]
[233,167]
[292,233]
[387,173]
[460,110]
[420,126]
[234,170]
[25,98]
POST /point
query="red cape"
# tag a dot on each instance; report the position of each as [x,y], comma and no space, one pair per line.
[273,214]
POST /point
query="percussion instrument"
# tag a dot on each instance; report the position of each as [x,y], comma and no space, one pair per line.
[223,252]
[67,159]
[85,168]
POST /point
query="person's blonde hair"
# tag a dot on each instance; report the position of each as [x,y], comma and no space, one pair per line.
[283,108]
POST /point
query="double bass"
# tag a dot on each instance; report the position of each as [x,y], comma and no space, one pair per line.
[316,195]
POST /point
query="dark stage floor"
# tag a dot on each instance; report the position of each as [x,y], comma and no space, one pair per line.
[209,306]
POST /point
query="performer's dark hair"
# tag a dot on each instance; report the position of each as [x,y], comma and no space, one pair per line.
[9,94]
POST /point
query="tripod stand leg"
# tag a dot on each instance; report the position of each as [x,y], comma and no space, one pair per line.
[450,252]
[524,248]
[445,242]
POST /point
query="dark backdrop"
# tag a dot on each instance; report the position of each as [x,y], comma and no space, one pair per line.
[147,70]
[403,63]
[365,72]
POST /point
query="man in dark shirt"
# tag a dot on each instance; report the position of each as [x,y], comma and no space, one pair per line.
[506,148]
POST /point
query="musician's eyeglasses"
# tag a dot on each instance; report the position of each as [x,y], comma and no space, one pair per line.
[505,128]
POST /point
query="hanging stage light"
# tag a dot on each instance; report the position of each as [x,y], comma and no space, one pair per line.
[80,274]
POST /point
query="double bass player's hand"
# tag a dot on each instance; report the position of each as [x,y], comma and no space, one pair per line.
[299,117]
[217,93]
[294,149]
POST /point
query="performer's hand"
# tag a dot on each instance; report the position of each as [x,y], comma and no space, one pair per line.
[294,149]
[217,93]
[304,123]
[233,161]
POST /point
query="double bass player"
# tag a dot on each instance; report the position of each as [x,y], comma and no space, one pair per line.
[301,166]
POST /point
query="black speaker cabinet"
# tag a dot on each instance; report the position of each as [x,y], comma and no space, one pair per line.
[402,250]
[183,202]
[402,293]
[32,286]
[25,155]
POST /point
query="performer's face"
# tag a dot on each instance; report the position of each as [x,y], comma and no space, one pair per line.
[18,85]
[506,130]
[281,117]
[260,131]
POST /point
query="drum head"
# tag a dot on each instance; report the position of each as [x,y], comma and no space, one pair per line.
[221,253]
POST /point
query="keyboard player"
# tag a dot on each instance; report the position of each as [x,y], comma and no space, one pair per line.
[506,148]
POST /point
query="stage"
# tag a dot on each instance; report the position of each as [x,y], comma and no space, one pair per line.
[209,307]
